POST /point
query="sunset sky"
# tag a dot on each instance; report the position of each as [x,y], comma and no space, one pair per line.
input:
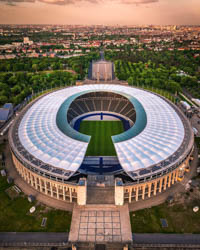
[106,12]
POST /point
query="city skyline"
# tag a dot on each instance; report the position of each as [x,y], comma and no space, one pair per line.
[100,12]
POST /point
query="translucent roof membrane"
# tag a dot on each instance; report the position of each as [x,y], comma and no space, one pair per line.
[60,146]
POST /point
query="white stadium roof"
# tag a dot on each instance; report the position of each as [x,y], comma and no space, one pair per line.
[41,137]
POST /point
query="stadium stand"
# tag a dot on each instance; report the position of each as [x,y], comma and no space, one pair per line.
[101,101]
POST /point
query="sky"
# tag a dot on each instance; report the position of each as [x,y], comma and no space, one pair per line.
[100,12]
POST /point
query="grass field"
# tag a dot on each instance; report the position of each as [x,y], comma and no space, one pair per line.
[15,216]
[180,219]
[101,131]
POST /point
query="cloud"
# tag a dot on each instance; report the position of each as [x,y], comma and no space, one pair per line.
[72,2]
[14,2]
[67,2]
[139,2]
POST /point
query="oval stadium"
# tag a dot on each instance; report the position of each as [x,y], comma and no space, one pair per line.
[146,151]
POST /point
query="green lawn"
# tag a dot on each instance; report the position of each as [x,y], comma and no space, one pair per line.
[197,140]
[180,218]
[15,216]
[101,131]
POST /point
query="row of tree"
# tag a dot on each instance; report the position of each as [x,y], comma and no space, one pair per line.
[164,70]
[187,60]
[146,74]
[169,70]
[79,64]
[15,87]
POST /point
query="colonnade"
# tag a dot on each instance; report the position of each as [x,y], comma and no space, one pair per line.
[151,188]
[123,193]
[60,191]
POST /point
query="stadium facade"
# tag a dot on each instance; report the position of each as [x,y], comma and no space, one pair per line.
[153,152]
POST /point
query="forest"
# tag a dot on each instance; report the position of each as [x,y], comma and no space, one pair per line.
[169,70]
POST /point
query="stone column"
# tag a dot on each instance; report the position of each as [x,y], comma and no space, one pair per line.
[70,194]
[173,177]
[155,187]
[149,190]
[160,187]
[130,193]
[40,183]
[51,189]
[82,192]
[176,175]
[170,179]
[143,191]
[119,192]
[165,183]
[57,191]
[63,187]
[136,194]
[45,186]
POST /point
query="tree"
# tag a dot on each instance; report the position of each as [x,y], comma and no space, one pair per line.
[3,99]
[35,67]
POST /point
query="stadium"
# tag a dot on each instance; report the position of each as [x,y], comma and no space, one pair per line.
[65,138]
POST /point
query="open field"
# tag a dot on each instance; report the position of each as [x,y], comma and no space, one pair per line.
[101,131]
[180,219]
[15,216]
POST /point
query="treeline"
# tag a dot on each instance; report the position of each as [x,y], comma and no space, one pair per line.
[142,74]
[15,87]
[169,70]
[78,64]
[182,60]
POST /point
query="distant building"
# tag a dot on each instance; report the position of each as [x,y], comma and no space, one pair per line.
[6,112]
[27,41]
[181,73]
[101,71]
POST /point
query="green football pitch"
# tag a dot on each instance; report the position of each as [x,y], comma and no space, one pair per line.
[101,131]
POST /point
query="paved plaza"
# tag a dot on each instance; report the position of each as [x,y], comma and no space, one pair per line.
[100,223]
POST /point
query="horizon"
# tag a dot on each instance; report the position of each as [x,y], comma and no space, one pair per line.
[100,12]
[111,25]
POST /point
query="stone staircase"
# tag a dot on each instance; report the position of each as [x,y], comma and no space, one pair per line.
[100,189]
[100,180]
[100,195]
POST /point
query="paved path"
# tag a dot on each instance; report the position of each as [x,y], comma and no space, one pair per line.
[178,187]
[100,223]
[27,189]
[190,101]
[193,239]
[61,239]
[33,237]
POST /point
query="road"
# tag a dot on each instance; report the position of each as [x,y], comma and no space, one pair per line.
[61,239]
[186,239]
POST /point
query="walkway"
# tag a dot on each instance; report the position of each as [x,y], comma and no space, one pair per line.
[190,239]
[100,223]
[34,240]
[188,100]
[31,238]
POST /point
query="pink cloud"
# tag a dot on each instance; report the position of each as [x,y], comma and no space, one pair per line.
[68,2]
[138,2]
